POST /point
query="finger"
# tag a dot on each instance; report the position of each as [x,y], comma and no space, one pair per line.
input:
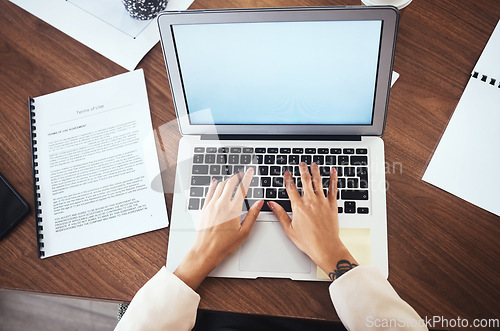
[231,183]
[252,215]
[332,188]
[211,191]
[219,189]
[281,215]
[306,178]
[316,179]
[241,190]
[291,189]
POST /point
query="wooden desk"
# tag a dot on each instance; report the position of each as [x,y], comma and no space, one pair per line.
[443,251]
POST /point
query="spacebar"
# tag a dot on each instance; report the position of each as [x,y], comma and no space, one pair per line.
[284,203]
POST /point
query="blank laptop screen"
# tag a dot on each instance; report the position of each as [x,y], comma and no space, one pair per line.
[318,72]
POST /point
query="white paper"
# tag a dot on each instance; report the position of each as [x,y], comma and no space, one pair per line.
[103,25]
[489,62]
[466,161]
[394,78]
[96,160]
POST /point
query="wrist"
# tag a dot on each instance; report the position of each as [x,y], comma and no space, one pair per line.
[194,268]
[329,262]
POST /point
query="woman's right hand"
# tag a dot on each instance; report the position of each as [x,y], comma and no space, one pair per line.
[314,228]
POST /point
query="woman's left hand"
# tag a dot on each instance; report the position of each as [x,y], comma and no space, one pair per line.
[220,230]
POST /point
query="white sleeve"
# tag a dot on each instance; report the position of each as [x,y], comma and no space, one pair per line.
[365,300]
[163,303]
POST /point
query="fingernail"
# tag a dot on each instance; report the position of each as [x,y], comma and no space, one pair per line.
[302,164]
[270,204]
[261,203]
[333,170]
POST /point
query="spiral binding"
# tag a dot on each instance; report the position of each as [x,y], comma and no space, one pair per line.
[36,179]
[484,78]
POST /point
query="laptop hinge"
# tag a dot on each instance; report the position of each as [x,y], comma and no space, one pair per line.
[281,137]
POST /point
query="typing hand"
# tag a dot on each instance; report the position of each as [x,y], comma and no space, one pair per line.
[220,231]
[315,226]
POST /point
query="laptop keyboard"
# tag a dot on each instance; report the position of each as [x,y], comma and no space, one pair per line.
[270,163]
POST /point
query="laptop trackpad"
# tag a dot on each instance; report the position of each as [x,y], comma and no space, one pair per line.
[268,249]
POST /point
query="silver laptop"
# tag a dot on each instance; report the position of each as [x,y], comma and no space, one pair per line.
[269,88]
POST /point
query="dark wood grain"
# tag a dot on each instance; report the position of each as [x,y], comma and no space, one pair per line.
[443,251]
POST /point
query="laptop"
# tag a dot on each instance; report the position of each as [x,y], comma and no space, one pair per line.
[269,88]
